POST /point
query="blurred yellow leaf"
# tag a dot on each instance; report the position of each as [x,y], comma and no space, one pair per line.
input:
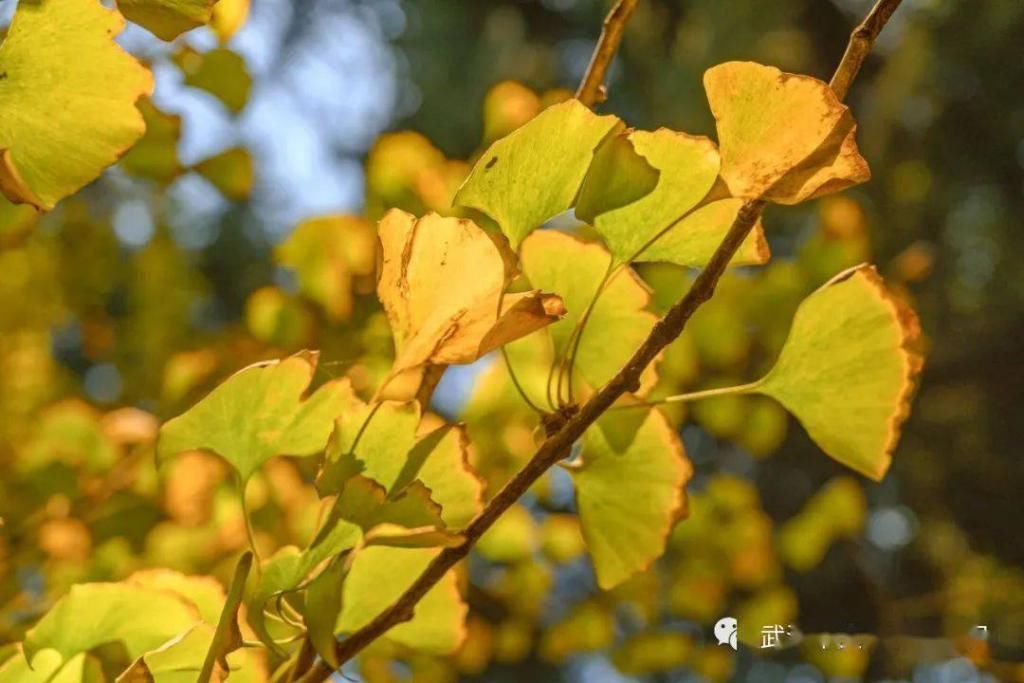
[783,137]
[228,17]
[67,106]
[232,172]
[327,253]
[441,283]
[535,173]
[512,537]
[167,19]
[629,491]
[507,106]
[156,154]
[220,72]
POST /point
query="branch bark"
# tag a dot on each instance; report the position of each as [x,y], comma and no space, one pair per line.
[592,89]
[556,446]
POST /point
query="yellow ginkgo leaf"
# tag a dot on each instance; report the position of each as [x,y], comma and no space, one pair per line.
[629,490]
[326,254]
[535,172]
[155,156]
[441,283]
[641,194]
[67,101]
[228,17]
[783,137]
[380,574]
[232,172]
[220,72]
[167,19]
[848,369]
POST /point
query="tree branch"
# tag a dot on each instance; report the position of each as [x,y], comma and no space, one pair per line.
[556,446]
[592,90]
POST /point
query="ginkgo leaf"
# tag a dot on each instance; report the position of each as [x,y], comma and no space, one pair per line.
[177,661]
[260,412]
[220,72]
[167,19]
[232,172]
[379,575]
[783,137]
[390,453]
[290,567]
[48,667]
[640,196]
[227,637]
[441,283]
[535,172]
[67,105]
[693,240]
[629,491]
[848,369]
[366,503]
[155,155]
[327,253]
[93,614]
[205,592]
[619,321]
[228,18]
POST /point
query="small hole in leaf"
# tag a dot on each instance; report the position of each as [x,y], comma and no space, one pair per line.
[491,163]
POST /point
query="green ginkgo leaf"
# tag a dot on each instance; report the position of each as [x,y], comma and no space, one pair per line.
[258,413]
[379,575]
[49,667]
[93,614]
[535,172]
[381,443]
[619,321]
[167,19]
[848,369]
[630,491]
[231,171]
[783,137]
[67,105]
[291,567]
[642,194]
[155,155]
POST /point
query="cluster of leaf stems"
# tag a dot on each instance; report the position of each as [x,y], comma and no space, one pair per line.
[309,669]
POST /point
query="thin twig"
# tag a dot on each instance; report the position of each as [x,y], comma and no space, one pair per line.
[592,90]
[556,446]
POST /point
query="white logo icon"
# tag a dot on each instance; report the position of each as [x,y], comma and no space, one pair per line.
[725,631]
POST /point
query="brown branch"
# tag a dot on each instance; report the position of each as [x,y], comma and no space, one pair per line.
[592,90]
[556,446]
[861,41]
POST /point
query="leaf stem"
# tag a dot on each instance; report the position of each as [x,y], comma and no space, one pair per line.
[556,446]
[694,396]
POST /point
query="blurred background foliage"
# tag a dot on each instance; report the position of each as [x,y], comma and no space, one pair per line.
[242,228]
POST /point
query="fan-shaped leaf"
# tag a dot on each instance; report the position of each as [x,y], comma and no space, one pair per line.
[379,575]
[783,137]
[260,412]
[535,172]
[441,282]
[93,614]
[67,105]
[643,183]
[220,72]
[326,254]
[848,369]
[231,172]
[228,18]
[629,490]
